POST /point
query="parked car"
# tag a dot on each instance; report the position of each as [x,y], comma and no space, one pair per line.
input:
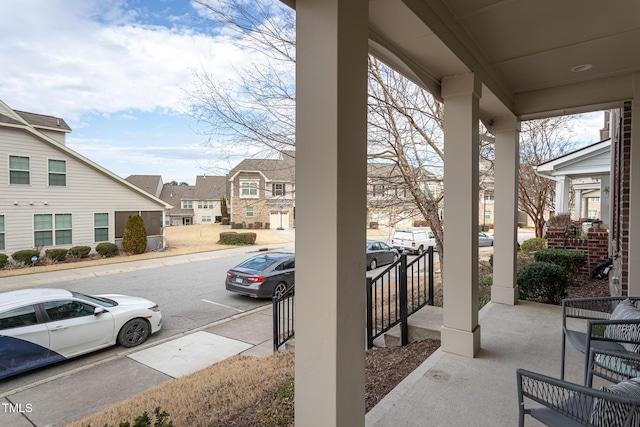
[484,239]
[414,241]
[262,276]
[379,253]
[43,326]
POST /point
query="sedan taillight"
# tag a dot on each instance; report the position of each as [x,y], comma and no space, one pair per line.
[229,275]
[256,279]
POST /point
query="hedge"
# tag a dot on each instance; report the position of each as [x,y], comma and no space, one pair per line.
[79,251]
[56,254]
[542,282]
[107,249]
[534,244]
[24,256]
[3,260]
[234,238]
[569,259]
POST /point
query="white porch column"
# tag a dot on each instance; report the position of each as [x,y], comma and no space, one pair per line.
[562,194]
[634,192]
[461,331]
[507,133]
[331,144]
[577,197]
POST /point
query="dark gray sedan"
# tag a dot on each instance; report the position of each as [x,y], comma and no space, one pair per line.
[379,253]
[263,276]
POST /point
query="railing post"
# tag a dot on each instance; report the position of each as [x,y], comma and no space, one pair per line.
[276,323]
[430,275]
[369,314]
[404,326]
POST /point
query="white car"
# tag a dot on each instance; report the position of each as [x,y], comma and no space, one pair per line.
[43,326]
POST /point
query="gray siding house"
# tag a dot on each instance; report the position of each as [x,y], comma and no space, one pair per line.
[54,197]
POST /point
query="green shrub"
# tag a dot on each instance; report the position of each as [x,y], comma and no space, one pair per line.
[79,251]
[569,259]
[3,260]
[225,220]
[236,225]
[56,254]
[234,238]
[532,245]
[257,224]
[542,282]
[134,237]
[107,249]
[25,256]
[484,294]
[374,225]
[267,225]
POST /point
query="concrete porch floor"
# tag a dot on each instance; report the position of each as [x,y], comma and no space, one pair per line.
[450,390]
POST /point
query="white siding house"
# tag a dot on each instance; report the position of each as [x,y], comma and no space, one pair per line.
[53,197]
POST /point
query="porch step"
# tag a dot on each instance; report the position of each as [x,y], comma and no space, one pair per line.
[422,325]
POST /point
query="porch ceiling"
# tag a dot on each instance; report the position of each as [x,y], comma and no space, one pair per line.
[523,51]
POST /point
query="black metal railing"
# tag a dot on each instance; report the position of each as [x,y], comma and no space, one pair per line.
[398,291]
[283,317]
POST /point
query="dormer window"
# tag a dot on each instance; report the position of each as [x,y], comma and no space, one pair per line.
[249,189]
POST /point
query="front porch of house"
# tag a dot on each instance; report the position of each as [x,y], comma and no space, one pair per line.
[452,390]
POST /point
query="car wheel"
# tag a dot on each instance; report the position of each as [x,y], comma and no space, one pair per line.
[420,250]
[133,333]
[373,265]
[280,289]
[395,257]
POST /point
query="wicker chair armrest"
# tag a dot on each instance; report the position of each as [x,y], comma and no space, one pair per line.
[613,366]
[567,399]
[591,308]
[612,330]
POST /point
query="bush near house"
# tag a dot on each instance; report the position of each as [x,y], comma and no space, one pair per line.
[569,259]
[24,256]
[3,260]
[234,238]
[542,282]
[56,254]
[134,237]
[107,249]
[535,244]
[79,251]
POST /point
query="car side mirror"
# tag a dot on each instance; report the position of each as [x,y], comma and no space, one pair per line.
[99,310]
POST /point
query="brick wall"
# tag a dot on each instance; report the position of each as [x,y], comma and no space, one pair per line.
[596,245]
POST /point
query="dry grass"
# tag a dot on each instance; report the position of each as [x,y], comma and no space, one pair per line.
[213,396]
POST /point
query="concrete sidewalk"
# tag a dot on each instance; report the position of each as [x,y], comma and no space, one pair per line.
[73,395]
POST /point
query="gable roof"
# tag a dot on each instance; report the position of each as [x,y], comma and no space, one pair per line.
[44,122]
[175,194]
[13,119]
[152,184]
[279,170]
[592,160]
[210,187]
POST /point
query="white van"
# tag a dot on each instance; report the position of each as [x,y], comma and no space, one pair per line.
[414,241]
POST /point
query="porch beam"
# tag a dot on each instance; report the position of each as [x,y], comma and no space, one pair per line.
[507,149]
[331,149]
[461,332]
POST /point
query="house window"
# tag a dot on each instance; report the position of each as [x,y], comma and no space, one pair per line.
[379,190]
[63,229]
[101,227]
[19,170]
[205,204]
[432,189]
[401,192]
[1,232]
[248,189]
[594,199]
[58,172]
[205,218]
[593,214]
[487,214]
[249,211]
[187,204]
[488,195]
[44,230]
[278,189]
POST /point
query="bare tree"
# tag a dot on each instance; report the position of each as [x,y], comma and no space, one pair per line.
[541,140]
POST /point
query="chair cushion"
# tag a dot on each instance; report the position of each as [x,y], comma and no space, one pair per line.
[609,414]
[625,310]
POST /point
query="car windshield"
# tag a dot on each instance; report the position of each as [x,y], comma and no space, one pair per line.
[105,302]
[258,263]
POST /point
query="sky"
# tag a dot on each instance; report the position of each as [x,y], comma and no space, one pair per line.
[118,72]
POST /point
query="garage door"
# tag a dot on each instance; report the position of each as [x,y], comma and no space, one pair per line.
[275,219]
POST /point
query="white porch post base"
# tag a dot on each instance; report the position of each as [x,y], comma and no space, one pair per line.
[463,343]
[504,294]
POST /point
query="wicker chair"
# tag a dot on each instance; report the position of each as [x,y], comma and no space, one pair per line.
[601,333]
[566,405]
[612,366]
